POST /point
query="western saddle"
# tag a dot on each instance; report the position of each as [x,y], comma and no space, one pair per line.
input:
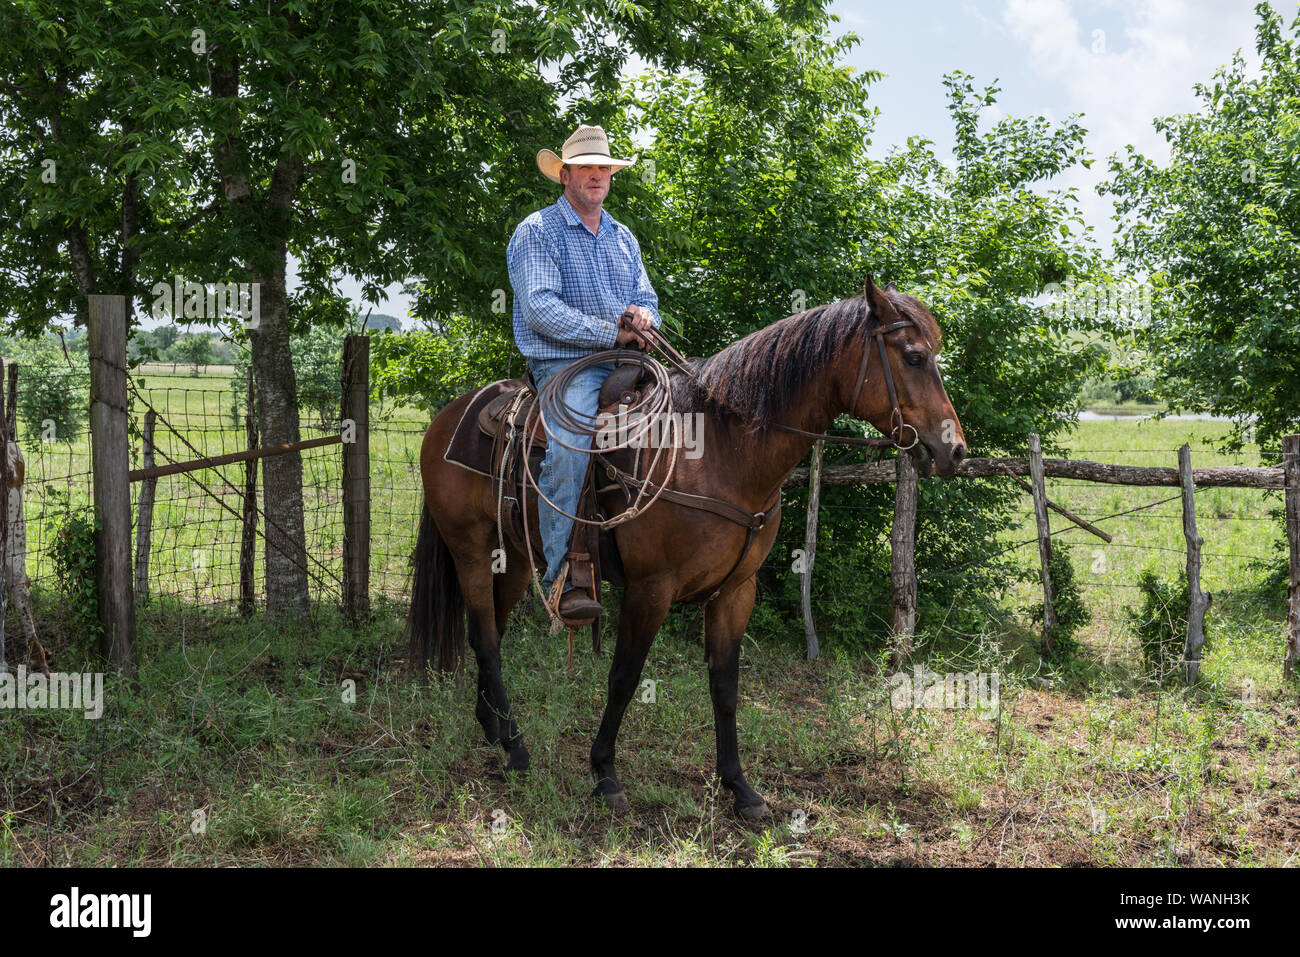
[504,420]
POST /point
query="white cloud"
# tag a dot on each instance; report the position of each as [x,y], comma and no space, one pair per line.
[1162,49]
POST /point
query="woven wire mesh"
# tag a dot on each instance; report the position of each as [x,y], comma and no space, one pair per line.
[197,517]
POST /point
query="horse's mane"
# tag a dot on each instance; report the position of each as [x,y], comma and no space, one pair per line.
[763,374]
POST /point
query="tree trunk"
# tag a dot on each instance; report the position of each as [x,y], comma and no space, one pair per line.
[277,406]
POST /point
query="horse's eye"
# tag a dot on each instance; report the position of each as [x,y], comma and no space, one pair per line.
[915,358]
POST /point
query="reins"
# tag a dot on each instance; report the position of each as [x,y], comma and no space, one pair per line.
[655,339]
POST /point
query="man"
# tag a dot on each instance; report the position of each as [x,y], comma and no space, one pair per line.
[575,270]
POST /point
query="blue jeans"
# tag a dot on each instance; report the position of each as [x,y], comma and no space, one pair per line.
[563,470]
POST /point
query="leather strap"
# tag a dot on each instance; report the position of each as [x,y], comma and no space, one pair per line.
[707,503]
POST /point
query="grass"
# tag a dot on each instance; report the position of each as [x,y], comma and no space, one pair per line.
[254,744]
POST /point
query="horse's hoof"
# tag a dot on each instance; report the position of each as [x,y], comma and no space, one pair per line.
[518,763]
[754,812]
[617,802]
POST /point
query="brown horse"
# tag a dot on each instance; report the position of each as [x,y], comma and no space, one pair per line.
[799,373]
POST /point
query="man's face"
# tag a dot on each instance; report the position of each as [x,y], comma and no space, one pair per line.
[586,185]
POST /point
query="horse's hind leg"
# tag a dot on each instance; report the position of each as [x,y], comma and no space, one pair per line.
[509,587]
[492,707]
[644,609]
[724,625]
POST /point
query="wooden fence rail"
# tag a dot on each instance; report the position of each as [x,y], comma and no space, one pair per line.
[1184,476]
[1235,476]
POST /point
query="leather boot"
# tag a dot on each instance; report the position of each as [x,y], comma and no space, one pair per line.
[575,605]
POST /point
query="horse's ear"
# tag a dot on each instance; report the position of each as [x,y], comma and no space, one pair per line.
[891,288]
[871,293]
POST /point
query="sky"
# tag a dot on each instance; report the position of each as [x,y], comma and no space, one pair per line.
[1119,63]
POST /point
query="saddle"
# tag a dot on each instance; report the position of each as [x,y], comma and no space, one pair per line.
[621,387]
[490,438]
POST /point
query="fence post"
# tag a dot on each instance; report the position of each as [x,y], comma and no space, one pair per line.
[248,533]
[4,520]
[1197,600]
[144,517]
[902,556]
[810,547]
[11,407]
[1291,465]
[1044,538]
[111,464]
[356,477]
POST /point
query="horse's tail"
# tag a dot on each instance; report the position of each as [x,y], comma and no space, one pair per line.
[436,623]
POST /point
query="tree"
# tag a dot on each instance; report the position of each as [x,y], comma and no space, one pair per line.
[89,122]
[193,350]
[755,214]
[1217,230]
[385,138]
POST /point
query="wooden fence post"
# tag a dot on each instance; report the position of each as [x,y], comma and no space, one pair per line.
[4,519]
[11,407]
[144,515]
[902,557]
[1197,600]
[356,477]
[1036,478]
[248,534]
[111,464]
[1291,469]
[810,547]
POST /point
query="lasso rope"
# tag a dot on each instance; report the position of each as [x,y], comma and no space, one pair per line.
[553,412]
[656,404]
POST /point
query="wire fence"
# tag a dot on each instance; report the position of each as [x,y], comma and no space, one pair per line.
[197,516]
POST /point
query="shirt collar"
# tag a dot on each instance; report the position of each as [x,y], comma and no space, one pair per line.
[573,219]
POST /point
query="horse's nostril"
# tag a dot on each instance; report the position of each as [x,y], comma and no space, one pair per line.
[958,452]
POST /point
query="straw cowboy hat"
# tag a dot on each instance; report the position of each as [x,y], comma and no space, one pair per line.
[588,145]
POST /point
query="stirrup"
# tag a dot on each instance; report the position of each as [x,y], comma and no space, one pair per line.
[552,601]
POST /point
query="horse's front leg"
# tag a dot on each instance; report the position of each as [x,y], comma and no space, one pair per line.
[724,625]
[644,608]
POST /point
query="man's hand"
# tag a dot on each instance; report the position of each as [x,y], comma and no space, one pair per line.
[635,319]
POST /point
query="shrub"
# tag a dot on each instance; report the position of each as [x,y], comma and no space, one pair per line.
[53,396]
[75,567]
[1067,598]
[1161,623]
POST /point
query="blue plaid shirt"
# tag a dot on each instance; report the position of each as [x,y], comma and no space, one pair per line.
[570,286]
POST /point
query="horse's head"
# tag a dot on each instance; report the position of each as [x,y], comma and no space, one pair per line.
[915,408]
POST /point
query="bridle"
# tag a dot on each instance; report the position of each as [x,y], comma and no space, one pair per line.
[896,421]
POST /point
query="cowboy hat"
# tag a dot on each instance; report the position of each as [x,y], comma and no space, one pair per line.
[587,145]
